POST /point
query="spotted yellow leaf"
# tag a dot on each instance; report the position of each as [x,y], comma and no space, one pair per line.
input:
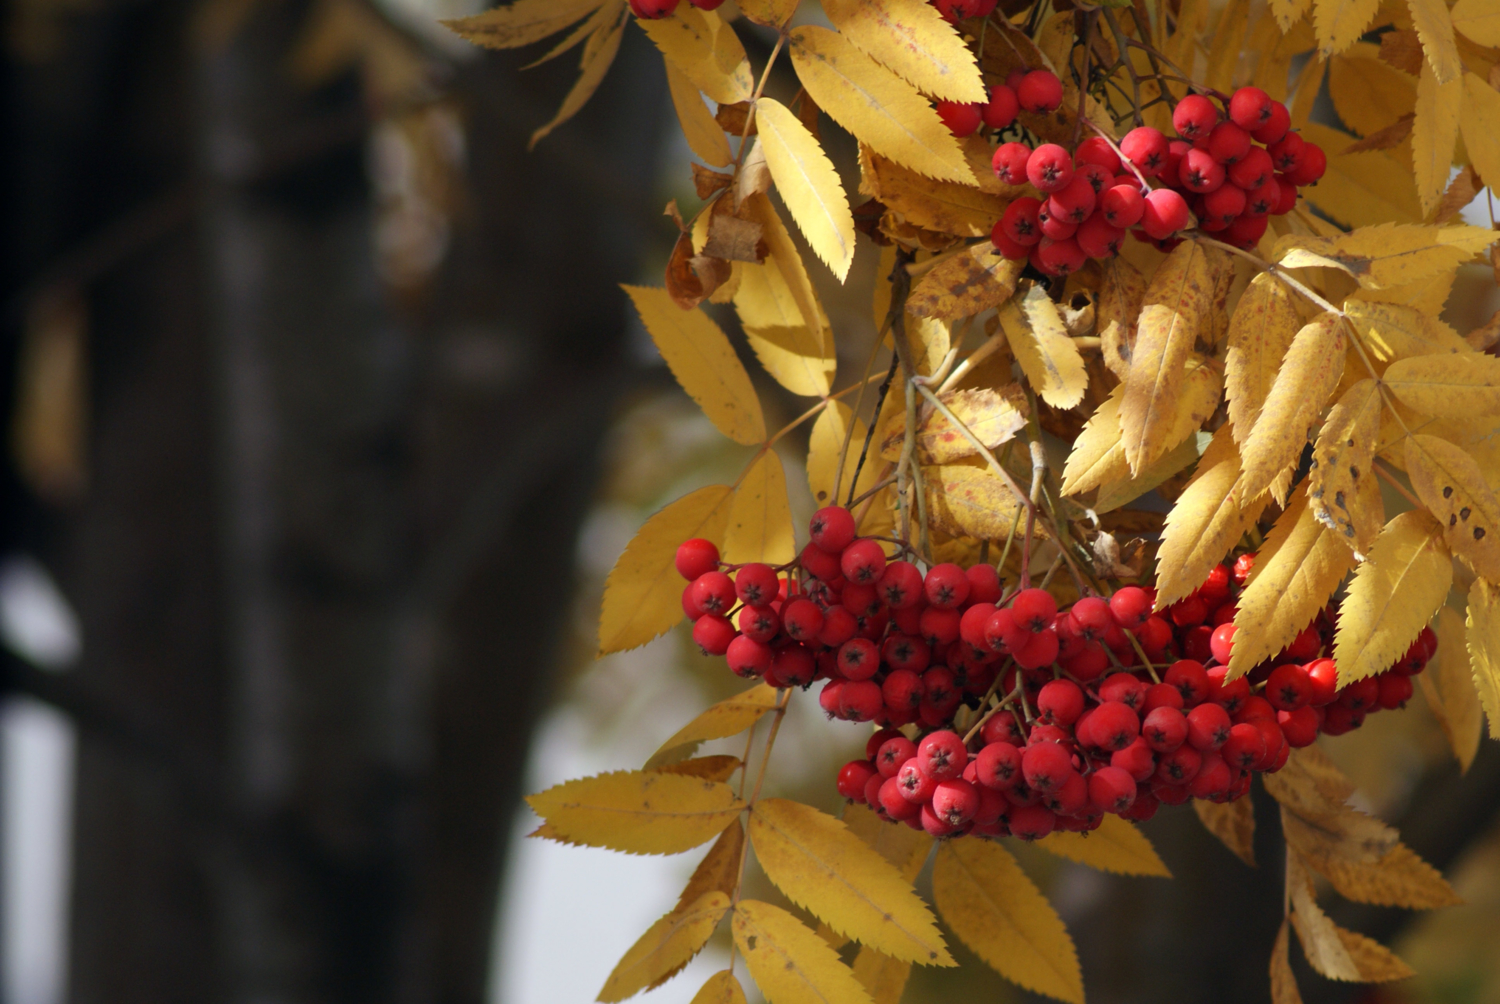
[1265,321]
[790,963]
[1040,341]
[967,499]
[1339,23]
[1342,491]
[705,49]
[1460,385]
[808,184]
[1116,846]
[1449,482]
[639,812]
[721,988]
[667,946]
[976,279]
[1389,254]
[914,40]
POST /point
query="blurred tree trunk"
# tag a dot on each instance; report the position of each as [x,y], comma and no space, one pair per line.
[327,545]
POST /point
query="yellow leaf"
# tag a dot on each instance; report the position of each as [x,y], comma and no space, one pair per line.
[729,717]
[948,207]
[1233,823]
[598,55]
[1228,38]
[1098,454]
[992,906]
[1482,641]
[1283,983]
[930,340]
[521,23]
[1116,493]
[1299,566]
[787,261]
[1265,322]
[808,184]
[1116,313]
[1205,522]
[1450,484]
[1390,254]
[1339,23]
[639,812]
[704,136]
[643,595]
[1308,375]
[1047,355]
[1361,189]
[821,866]
[877,106]
[1435,28]
[719,869]
[773,13]
[710,768]
[798,356]
[1397,878]
[667,946]
[1434,133]
[912,38]
[1461,385]
[1374,962]
[1288,11]
[1178,309]
[699,355]
[884,977]
[609,11]
[1392,597]
[706,50]
[760,517]
[1392,330]
[1448,686]
[902,846]
[823,448]
[1367,92]
[1116,846]
[1478,20]
[723,988]
[1320,939]
[974,280]
[1342,493]
[790,963]
[993,416]
[970,500]
[1479,119]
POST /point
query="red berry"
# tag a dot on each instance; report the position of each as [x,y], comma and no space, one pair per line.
[1287,152]
[1070,799]
[1221,642]
[1200,172]
[707,4]
[1194,116]
[893,753]
[955,801]
[853,777]
[1275,126]
[1232,696]
[653,9]
[795,666]
[695,557]
[1098,238]
[860,701]
[1245,746]
[1020,221]
[998,766]
[1004,633]
[902,689]
[1179,766]
[1002,107]
[939,626]
[1049,168]
[1146,148]
[1361,695]
[1007,247]
[1165,213]
[713,593]
[1224,204]
[1228,143]
[1253,170]
[759,623]
[1245,232]
[1034,609]
[1002,727]
[1046,766]
[832,528]
[839,625]
[902,651]
[942,755]
[946,586]
[1096,150]
[802,620]
[1074,202]
[1041,650]
[895,802]
[915,783]
[1060,702]
[1054,223]
[942,689]
[1032,822]
[1123,688]
[863,562]
[961,119]
[859,659]
[1165,729]
[1112,789]
[1300,727]
[746,656]
[984,584]
[1138,759]
[713,634]
[1212,780]
[1288,687]
[1208,727]
[1130,606]
[756,584]
[1062,257]
[1040,91]
[820,564]
[900,585]
[1338,719]
[1115,726]
[1250,108]
[1123,204]
[1310,166]
[1010,162]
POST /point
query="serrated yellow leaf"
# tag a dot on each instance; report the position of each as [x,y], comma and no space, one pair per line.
[706,50]
[974,280]
[710,768]
[1321,944]
[1040,341]
[1448,686]
[667,946]
[1427,297]
[1177,309]
[913,39]
[1299,566]
[808,184]
[1114,494]
[719,869]
[1397,878]
[1449,482]
[1342,490]
[967,499]
[638,812]
[790,963]
[877,106]
[902,846]
[1479,120]
[1478,20]
[729,717]
[1226,41]
[1482,641]
[1264,323]
[1390,254]
[782,254]
[982,893]
[773,13]
[798,356]
[884,977]
[1435,28]
[824,445]
[1283,982]
[1361,189]
[699,355]
[1434,133]
[1339,23]
[1367,92]
[1233,823]
[1116,312]
[521,23]
[721,988]
[1098,454]
[1205,523]
[947,207]
[643,594]
[1393,596]
[611,10]
[1288,12]
[993,416]
[760,517]
[598,55]
[825,868]
[703,134]
[1294,405]
[1116,846]
[1460,385]
[1392,330]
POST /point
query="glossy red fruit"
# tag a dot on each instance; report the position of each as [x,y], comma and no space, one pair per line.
[1275,127]
[1212,780]
[759,623]
[1060,702]
[1007,247]
[1124,688]
[1288,687]
[1161,695]
[998,765]
[1054,223]
[1062,257]
[1287,152]
[1138,759]
[1245,232]
[1165,729]
[1038,652]
[795,666]
[713,593]
[1046,766]
[1361,695]
[653,9]
[1115,726]
[1034,609]
[1123,204]
[1338,720]
[1310,166]
[1221,643]
[859,701]
[1112,789]
[946,586]
[961,119]
[903,690]
[1098,238]
[1228,143]
[1300,727]
[1200,172]
[1252,170]
[1032,822]
[747,657]
[756,584]
[1245,747]
[1095,150]
[1074,202]
[1146,148]
[1178,767]
[1208,727]
[1130,606]
[1049,168]
[1264,200]
[1166,212]
[863,562]
[854,776]
[1020,221]
[1001,110]
[1003,633]
[695,557]
[1194,116]
[1010,162]
[1040,91]
[839,625]
[955,801]
[1233,696]
[713,634]
[984,583]
[1224,204]
[832,528]
[942,755]
[1250,108]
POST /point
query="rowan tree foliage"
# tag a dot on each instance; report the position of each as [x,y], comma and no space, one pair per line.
[1113,234]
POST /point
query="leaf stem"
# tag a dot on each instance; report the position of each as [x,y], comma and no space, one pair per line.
[1391,480]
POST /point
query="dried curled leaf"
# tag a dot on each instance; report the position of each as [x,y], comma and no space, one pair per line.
[1342,489]
[1116,846]
[639,812]
[789,963]
[1233,823]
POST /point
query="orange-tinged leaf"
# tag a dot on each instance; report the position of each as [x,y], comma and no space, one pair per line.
[825,868]
[1040,342]
[729,717]
[1233,823]
[1478,20]
[1178,309]
[913,39]
[703,135]
[790,963]
[1462,385]
[974,280]
[1116,846]
[760,517]
[598,56]
[706,50]
[877,106]
[1205,523]
[1434,132]
[667,946]
[1298,568]
[967,499]
[1482,640]
[1311,370]
[1265,322]
[1449,482]
[808,184]
[639,812]
[721,988]
[699,355]
[643,595]
[1342,492]
[522,22]
[1393,596]
[1283,983]
[1448,686]
[982,893]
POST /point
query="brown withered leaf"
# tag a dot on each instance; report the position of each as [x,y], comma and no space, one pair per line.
[893,226]
[754,177]
[1403,50]
[1391,136]
[946,206]
[734,238]
[732,118]
[1486,335]
[1111,560]
[1461,191]
[706,182]
[1233,823]
[967,499]
[970,282]
[1400,878]
[682,282]
[993,415]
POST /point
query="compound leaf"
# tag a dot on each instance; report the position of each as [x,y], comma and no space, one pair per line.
[808,184]
[639,812]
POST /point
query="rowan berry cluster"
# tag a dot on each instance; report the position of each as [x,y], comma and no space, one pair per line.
[653,9]
[1067,715]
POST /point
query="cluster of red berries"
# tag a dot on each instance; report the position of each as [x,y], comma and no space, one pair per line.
[654,9]
[961,10]
[1080,721]
[1231,171]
